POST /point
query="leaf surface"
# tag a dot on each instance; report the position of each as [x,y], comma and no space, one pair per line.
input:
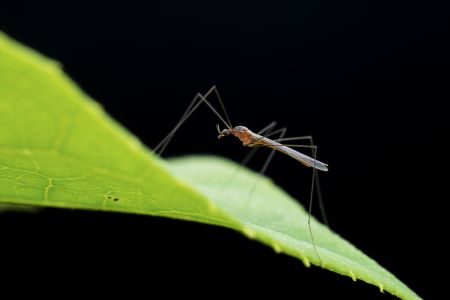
[58,148]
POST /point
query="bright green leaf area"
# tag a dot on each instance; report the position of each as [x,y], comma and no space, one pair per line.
[58,148]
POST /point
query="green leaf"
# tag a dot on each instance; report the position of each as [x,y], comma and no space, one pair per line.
[58,148]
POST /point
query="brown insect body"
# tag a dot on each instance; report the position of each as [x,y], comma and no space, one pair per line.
[246,136]
[251,139]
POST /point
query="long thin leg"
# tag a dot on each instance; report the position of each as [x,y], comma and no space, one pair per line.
[272,153]
[314,182]
[314,172]
[295,138]
[317,181]
[292,145]
[165,141]
[268,128]
[273,132]
[318,188]
[265,166]
[216,91]
[195,103]
[314,149]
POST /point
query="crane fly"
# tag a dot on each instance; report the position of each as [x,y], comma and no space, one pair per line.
[252,139]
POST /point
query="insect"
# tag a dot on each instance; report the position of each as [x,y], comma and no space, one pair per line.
[251,139]
[260,139]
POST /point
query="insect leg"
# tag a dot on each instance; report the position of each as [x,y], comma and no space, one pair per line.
[314,183]
[195,103]
[263,170]
[317,181]
[268,128]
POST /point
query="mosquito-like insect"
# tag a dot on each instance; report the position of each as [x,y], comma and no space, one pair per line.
[260,139]
[251,139]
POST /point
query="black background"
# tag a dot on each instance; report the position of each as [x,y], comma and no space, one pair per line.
[369,80]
